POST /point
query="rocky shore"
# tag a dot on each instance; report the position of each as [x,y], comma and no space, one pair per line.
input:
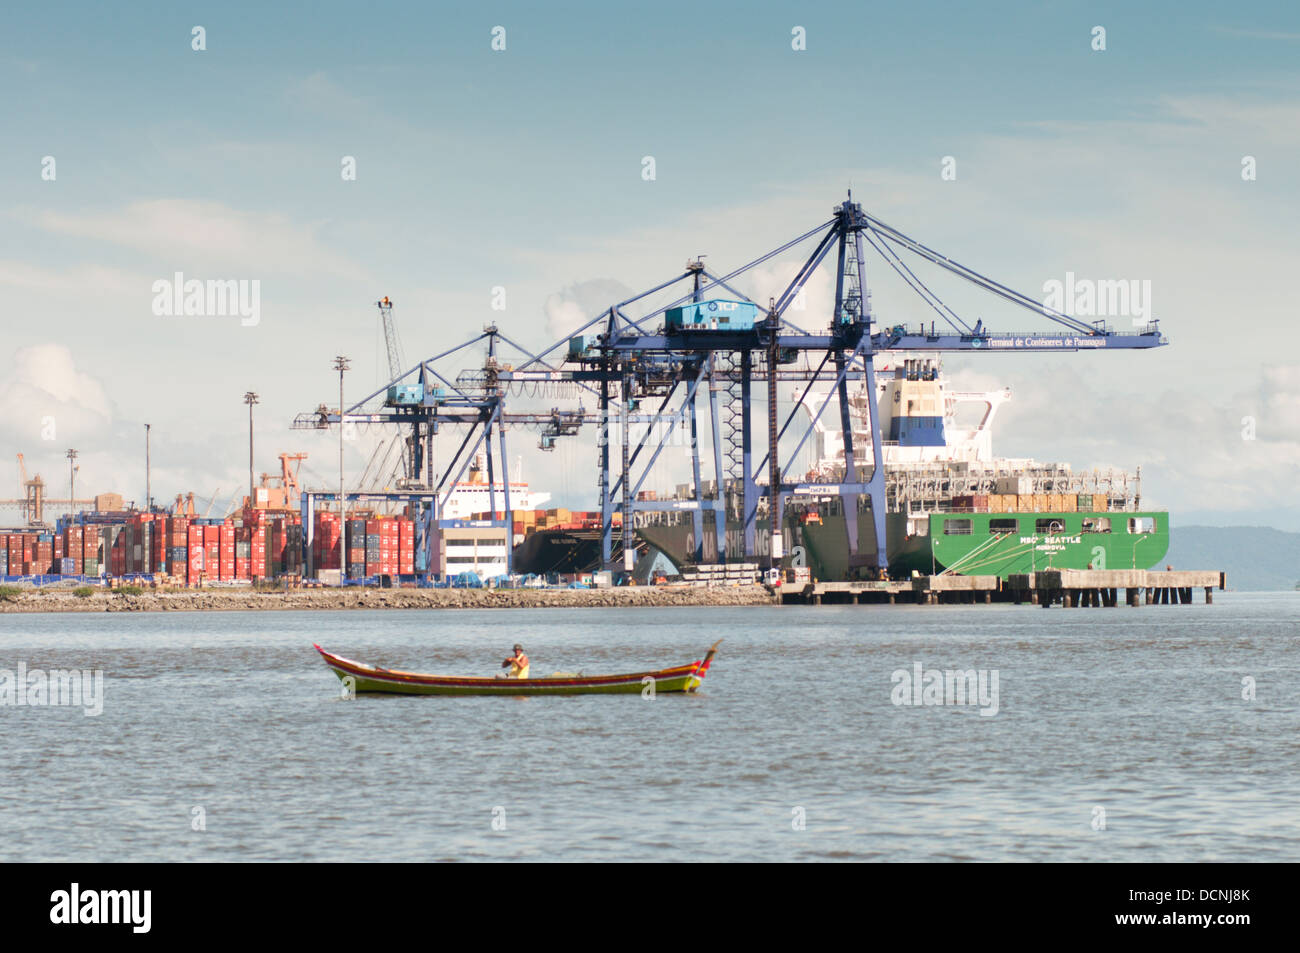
[217,600]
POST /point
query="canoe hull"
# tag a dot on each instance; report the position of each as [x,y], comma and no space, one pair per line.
[358,677]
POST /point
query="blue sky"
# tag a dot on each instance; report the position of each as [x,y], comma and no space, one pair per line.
[521,169]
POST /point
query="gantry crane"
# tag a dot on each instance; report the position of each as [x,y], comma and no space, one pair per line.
[702,345]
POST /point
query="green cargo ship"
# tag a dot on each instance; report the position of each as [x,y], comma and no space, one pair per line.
[973,544]
[996,544]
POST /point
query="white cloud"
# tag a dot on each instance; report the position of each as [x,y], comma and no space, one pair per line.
[45,381]
[810,310]
[72,281]
[574,306]
[193,235]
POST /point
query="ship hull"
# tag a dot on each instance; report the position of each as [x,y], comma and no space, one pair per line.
[986,544]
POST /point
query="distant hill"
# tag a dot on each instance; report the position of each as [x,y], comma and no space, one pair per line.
[1254,557]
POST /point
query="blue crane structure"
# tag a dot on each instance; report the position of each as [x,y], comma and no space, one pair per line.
[712,340]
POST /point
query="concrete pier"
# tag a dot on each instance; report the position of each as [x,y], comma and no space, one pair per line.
[1072,588]
[1069,588]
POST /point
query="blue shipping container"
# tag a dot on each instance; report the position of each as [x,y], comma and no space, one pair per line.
[405,395]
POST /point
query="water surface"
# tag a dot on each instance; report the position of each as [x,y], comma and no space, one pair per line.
[1136,712]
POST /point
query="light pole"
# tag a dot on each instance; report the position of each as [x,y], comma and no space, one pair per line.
[341,364]
[72,482]
[250,399]
[148,492]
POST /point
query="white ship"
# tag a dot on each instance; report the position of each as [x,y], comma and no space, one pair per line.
[474,496]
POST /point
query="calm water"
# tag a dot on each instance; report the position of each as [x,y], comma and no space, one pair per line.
[1135,711]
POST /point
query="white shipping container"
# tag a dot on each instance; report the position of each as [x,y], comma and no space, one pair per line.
[1017,485]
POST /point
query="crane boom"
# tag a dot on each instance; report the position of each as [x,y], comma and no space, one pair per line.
[391,342]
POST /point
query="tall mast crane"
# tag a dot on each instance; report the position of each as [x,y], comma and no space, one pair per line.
[391,342]
[406,462]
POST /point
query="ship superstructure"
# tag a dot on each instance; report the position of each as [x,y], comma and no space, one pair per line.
[940,446]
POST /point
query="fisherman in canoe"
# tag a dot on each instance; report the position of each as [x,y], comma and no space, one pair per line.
[517,663]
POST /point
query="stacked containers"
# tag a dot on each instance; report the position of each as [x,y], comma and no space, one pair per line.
[74,547]
[356,548]
[158,552]
[226,561]
[293,546]
[326,542]
[109,536]
[243,549]
[178,545]
[257,565]
[388,545]
[131,546]
[212,551]
[88,551]
[372,547]
[44,553]
[194,553]
[275,547]
[147,529]
[405,547]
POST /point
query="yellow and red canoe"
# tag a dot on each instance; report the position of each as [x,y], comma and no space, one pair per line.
[359,677]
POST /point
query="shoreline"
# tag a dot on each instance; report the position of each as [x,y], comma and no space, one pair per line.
[200,600]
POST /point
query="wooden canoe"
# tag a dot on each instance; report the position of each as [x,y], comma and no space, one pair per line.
[359,677]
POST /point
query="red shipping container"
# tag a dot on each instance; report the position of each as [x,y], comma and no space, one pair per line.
[194,548]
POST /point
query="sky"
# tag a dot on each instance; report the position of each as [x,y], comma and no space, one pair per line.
[522,169]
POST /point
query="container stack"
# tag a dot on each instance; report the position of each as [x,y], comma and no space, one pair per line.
[196,550]
[326,548]
[405,547]
[356,547]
